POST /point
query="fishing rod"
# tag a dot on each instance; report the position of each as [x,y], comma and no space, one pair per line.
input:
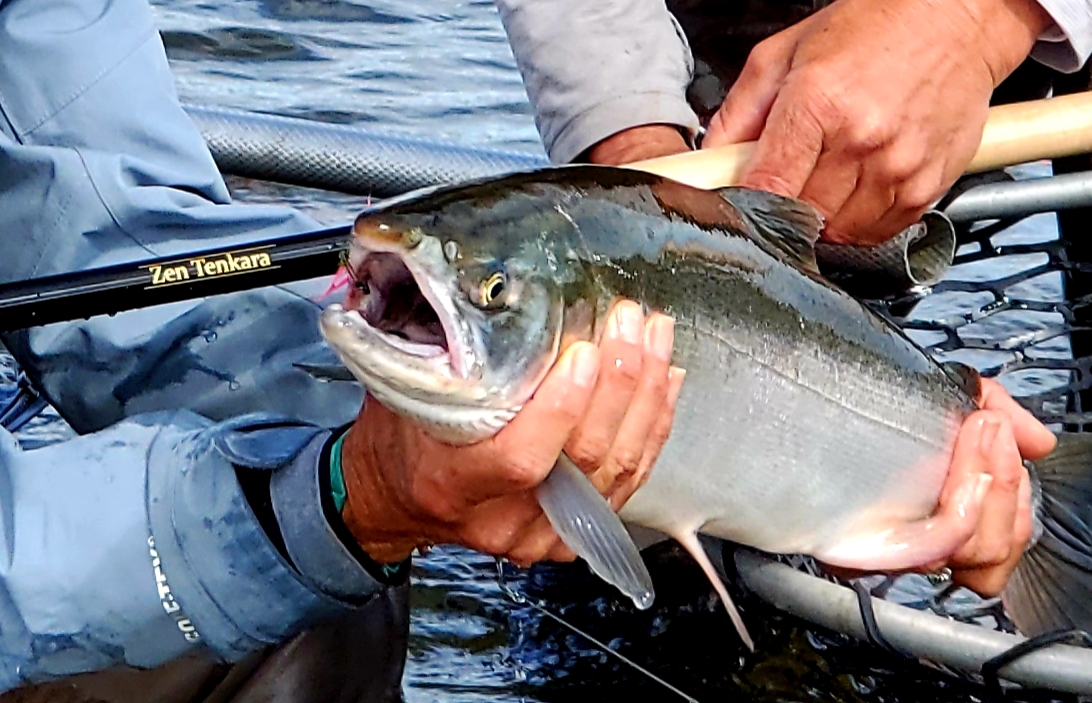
[1013,134]
[139,284]
[113,289]
[168,279]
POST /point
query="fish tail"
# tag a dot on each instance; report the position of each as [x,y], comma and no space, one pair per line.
[1051,588]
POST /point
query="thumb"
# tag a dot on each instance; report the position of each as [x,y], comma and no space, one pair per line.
[743,113]
[786,152]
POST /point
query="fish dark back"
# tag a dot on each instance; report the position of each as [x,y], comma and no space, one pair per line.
[693,253]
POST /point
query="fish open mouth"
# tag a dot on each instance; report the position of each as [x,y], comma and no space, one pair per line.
[388,298]
[401,332]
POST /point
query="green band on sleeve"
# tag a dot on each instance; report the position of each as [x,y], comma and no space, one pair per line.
[337,480]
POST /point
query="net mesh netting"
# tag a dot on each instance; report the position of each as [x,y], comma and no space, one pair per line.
[1007,308]
[1015,306]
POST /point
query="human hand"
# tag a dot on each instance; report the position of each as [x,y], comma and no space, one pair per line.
[994,440]
[637,144]
[871,110]
[610,408]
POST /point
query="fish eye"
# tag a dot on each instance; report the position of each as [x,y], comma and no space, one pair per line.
[491,292]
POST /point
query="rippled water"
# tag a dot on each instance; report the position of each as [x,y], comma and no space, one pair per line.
[437,69]
[442,69]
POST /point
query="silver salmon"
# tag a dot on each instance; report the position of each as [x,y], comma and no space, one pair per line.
[807,423]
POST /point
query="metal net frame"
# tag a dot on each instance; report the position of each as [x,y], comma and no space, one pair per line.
[1016,306]
[1005,310]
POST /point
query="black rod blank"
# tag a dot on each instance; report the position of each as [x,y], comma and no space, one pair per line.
[140,284]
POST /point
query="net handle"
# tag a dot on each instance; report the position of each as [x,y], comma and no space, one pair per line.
[1014,134]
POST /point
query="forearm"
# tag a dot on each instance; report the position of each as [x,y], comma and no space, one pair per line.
[594,69]
[136,544]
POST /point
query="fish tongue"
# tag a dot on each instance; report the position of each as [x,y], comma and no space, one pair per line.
[689,540]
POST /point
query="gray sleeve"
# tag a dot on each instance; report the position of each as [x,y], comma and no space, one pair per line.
[1067,45]
[99,164]
[593,69]
[135,545]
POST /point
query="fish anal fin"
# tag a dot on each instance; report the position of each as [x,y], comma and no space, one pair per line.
[912,544]
[791,225]
[587,525]
[690,541]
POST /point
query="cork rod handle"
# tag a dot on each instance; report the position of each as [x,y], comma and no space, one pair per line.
[1014,134]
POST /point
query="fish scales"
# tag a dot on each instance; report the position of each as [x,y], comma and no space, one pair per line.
[743,461]
[806,423]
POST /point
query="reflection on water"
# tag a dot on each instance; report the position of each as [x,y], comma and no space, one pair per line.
[441,69]
[430,69]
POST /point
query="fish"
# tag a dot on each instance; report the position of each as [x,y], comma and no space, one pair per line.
[807,423]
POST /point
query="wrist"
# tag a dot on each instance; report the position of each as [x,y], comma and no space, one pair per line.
[1007,30]
[370,510]
[331,498]
[637,144]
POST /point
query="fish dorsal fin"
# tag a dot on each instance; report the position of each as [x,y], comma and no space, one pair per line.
[968,379]
[791,225]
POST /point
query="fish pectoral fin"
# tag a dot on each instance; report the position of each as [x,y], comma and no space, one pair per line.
[913,544]
[790,224]
[692,544]
[587,525]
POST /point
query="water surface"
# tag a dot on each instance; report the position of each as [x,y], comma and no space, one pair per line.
[441,69]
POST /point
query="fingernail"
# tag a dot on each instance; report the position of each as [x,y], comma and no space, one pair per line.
[988,435]
[660,336]
[982,487]
[675,379]
[585,365]
[972,493]
[627,323]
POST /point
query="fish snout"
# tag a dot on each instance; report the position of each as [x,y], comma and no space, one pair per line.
[374,233]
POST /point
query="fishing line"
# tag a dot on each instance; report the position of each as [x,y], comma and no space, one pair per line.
[523,599]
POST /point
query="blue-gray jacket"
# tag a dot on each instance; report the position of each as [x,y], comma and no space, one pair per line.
[136,543]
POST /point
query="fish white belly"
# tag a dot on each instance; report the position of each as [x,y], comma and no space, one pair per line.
[778,463]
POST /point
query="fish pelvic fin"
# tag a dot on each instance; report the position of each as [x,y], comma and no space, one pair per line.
[586,524]
[791,225]
[692,544]
[967,378]
[1051,588]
